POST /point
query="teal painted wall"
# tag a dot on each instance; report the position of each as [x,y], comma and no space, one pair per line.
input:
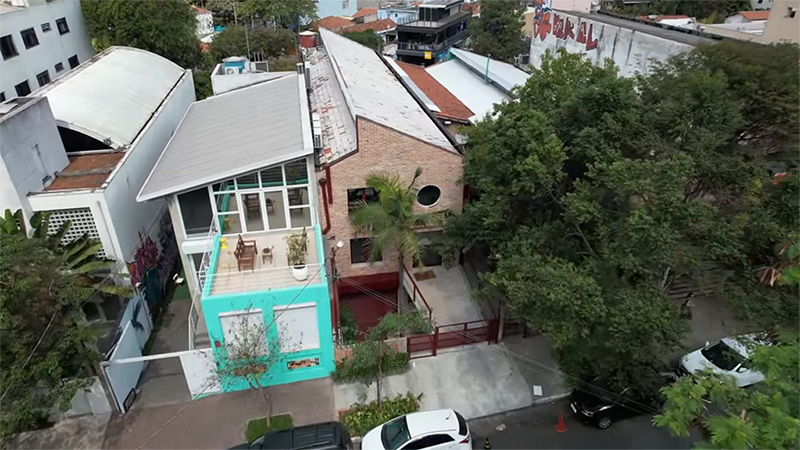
[214,305]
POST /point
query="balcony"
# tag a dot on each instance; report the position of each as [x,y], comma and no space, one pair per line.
[221,275]
[419,49]
[417,25]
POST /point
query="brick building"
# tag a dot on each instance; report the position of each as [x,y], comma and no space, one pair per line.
[367,120]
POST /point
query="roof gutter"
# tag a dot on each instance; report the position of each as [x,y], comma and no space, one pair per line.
[459,148]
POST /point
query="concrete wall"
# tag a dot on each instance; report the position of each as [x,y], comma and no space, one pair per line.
[381,149]
[399,15]
[221,83]
[760,4]
[327,8]
[630,50]
[31,150]
[780,25]
[127,216]
[53,47]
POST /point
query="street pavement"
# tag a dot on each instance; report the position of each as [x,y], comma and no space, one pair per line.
[535,428]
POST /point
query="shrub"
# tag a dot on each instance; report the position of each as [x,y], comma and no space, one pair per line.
[361,418]
[347,372]
[348,326]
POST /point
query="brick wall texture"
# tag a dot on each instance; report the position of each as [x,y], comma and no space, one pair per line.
[382,149]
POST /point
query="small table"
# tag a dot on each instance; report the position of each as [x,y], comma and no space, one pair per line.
[266,253]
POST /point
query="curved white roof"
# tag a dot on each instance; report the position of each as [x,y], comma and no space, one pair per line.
[113,95]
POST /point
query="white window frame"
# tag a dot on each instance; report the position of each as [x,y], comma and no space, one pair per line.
[279,309]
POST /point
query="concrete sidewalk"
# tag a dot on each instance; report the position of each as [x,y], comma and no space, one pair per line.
[218,421]
[476,380]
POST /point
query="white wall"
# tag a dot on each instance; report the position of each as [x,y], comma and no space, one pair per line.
[53,47]
[761,4]
[631,51]
[221,83]
[205,24]
[327,8]
[398,15]
[127,216]
[29,127]
[572,5]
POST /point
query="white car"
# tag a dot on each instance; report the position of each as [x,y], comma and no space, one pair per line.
[439,429]
[727,356]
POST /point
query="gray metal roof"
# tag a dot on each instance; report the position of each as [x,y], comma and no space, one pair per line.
[506,75]
[232,134]
[371,91]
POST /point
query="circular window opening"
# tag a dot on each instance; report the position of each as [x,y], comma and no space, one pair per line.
[429,195]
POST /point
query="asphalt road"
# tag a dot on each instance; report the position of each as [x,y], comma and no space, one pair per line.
[534,428]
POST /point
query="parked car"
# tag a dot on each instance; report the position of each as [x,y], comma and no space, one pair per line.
[727,356]
[439,429]
[319,436]
[601,408]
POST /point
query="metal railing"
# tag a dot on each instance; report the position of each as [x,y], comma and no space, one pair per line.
[437,23]
[193,318]
[229,279]
[435,47]
[202,272]
[414,292]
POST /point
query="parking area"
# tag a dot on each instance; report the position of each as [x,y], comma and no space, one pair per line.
[448,295]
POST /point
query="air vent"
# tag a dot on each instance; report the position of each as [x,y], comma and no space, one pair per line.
[316,126]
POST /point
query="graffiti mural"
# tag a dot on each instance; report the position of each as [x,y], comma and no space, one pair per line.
[547,22]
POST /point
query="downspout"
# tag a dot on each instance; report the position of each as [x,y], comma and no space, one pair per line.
[323,182]
[335,306]
[329,184]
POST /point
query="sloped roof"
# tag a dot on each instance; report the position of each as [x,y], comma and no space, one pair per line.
[449,105]
[334,23]
[507,76]
[231,134]
[371,90]
[365,12]
[113,95]
[754,15]
[376,26]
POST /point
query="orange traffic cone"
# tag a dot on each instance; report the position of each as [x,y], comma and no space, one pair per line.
[561,426]
[486,444]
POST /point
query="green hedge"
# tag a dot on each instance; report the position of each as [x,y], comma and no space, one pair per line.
[393,364]
[361,418]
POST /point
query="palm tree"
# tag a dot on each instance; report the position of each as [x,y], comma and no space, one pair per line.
[392,222]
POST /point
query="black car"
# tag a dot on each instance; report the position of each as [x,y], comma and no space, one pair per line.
[320,436]
[601,408]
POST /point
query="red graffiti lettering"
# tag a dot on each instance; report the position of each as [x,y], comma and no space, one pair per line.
[591,44]
[581,33]
[543,27]
[558,26]
[568,33]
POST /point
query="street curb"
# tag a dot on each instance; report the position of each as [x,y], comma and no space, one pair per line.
[538,402]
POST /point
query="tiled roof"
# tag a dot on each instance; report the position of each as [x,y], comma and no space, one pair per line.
[334,23]
[376,26]
[198,9]
[449,105]
[365,12]
[754,15]
[86,172]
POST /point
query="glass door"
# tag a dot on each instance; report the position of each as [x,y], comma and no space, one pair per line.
[253,211]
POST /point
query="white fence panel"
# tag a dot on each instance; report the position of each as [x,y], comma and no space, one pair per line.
[200,371]
[123,377]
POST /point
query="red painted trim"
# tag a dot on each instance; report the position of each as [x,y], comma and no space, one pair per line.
[323,184]
[379,282]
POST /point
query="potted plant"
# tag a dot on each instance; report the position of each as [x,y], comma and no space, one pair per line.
[296,251]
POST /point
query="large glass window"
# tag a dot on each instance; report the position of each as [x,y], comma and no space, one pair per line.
[274,198]
[196,211]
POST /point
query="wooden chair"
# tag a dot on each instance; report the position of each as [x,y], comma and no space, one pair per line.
[251,205]
[245,254]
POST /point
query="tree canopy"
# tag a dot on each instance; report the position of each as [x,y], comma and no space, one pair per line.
[279,13]
[708,11]
[366,37]
[36,302]
[498,30]
[594,192]
[262,42]
[764,416]
[165,27]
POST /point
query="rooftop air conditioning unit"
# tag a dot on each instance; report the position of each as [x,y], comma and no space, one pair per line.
[231,70]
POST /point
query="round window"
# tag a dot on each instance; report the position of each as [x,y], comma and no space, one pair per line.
[429,195]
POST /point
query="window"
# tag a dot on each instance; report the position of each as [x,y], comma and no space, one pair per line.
[791,12]
[63,28]
[356,196]
[429,441]
[46,27]
[196,211]
[296,172]
[43,78]
[360,250]
[298,328]
[23,89]
[29,38]
[7,47]
[59,67]
[345,4]
[242,329]
[73,61]
[2,96]
[429,195]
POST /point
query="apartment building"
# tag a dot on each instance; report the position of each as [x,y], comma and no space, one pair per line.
[40,40]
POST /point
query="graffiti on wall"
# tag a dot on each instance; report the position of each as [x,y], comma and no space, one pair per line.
[547,22]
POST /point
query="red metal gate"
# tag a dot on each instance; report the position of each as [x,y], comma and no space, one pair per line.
[454,335]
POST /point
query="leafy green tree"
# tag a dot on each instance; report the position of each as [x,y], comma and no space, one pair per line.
[593,192]
[165,27]
[279,13]
[707,11]
[373,358]
[202,84]
[367,37]
[265,42]
[392,222]
[498,30]
[45,362]
[764,416]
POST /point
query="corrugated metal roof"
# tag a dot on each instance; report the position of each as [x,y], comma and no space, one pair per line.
[231,134]
[114,94]
[468,87]
[505,75]
[373,91]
